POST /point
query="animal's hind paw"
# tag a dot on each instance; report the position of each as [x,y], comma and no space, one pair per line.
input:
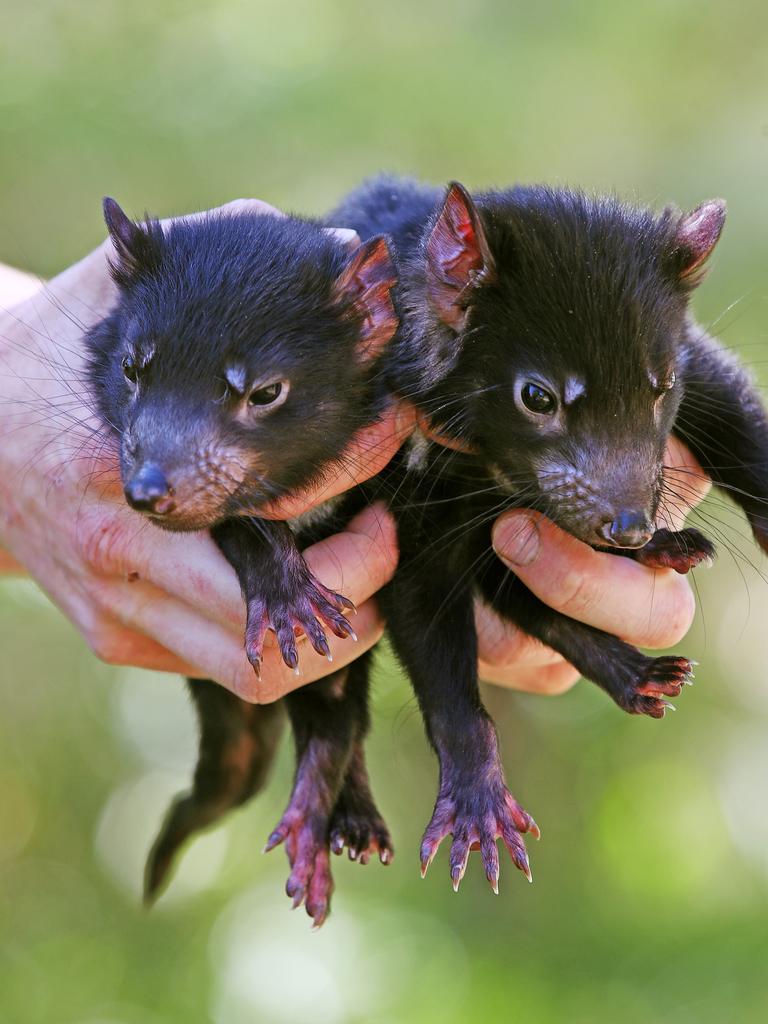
[357,825]
[476,816]
[306,844]
[681,550]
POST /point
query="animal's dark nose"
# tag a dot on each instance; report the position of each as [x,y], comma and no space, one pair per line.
[149,491]
[627,530]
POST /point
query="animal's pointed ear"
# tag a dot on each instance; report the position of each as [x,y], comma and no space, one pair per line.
[364,286]
[458,257]
[137,247]
[695,238]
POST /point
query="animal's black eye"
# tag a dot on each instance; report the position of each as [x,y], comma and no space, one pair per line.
[663,384]
[268,395]
[130,369]
[537,399]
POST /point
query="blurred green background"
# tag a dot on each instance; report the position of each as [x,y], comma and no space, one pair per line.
[651,882]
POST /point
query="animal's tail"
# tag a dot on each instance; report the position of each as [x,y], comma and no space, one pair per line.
[237,746]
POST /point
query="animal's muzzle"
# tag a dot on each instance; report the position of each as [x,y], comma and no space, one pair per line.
[627,530]
[148,491]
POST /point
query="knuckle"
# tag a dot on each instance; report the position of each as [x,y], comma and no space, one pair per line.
[103,543]
[107,646]
[558,679]
[245,684]
[101,595]
[382,565]
[110,601]
[379,553]
[389,546]
[577,595]
[501,649]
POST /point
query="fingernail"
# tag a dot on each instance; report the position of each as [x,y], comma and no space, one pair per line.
[348,237]
[516,539]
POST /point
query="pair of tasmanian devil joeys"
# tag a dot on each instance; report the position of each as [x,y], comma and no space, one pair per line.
[545,338]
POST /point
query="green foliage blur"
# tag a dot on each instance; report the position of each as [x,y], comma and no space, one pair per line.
[650,899]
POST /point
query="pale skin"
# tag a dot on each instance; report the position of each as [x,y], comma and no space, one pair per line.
[170,602]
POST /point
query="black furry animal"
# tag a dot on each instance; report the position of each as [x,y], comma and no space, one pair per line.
[242,355]
[548,346]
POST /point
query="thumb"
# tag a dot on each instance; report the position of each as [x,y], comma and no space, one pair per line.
[648,607]
[517,538]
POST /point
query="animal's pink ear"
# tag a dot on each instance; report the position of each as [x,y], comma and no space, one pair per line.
[696,236]
[137,246]
[458,257]
[365,285]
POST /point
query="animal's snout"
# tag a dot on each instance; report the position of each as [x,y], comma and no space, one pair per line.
[627,530]
[148,490]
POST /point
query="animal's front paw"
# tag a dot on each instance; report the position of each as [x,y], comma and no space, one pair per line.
[305,834]
[357,825]
[476,815]
[299,606]
[656,679]
[681,550]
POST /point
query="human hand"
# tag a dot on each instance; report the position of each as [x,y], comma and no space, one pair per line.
[139,596]
[646,607]
[15,286]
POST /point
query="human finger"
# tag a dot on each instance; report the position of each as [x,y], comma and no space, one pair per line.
[647,607]
[685,485]
[212,651]
[545,680]
[367,454]
[501,644]
[122,546]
